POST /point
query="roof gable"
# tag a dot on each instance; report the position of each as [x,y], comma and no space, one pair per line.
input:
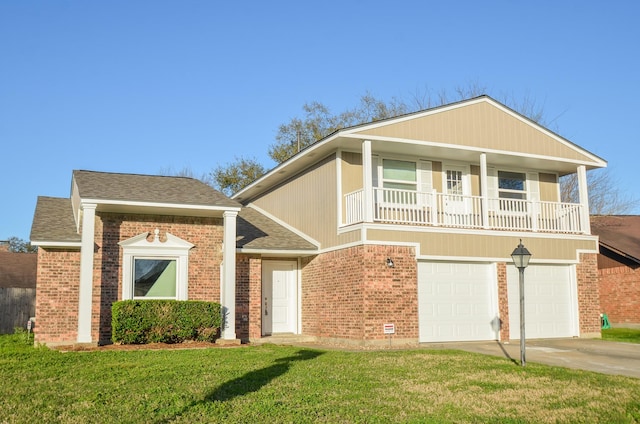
[480,123]
[105,186]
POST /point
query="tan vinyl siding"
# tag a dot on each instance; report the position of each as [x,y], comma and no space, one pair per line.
[474,170]
[548,187]
[351,167]
[480,125]
[436,169]
[486,246]
[308,202]
[351,172]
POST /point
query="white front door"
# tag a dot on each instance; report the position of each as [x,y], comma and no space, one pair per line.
[279,297]
[550,306]
[455,188]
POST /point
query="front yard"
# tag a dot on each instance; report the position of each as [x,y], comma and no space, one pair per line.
[292,384]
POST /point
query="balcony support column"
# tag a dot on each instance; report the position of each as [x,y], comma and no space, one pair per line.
[584,199]
[367,181]
[484,192]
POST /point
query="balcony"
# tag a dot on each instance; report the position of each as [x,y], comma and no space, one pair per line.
[434,209]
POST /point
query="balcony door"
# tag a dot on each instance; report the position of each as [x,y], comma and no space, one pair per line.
[455,203]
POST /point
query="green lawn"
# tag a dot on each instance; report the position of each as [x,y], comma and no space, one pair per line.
[296,385]
[627,335]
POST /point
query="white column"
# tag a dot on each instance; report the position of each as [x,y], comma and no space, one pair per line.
[86,273]
[484,180]
[228,289]
[584,198]
[367,179]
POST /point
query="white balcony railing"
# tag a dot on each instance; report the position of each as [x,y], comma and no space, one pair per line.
[438,209]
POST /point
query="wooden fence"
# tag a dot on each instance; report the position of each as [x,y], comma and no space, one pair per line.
[17,305]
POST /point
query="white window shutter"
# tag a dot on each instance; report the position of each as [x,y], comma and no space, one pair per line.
[426,179]
[533,187]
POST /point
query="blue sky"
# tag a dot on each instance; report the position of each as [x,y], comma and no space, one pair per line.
[143,86]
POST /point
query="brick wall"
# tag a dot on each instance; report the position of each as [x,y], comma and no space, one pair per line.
[503,300]
[58,280]
[248,297]
[59,272]
[620,292]
[204,258]
[351,293]
[588,295]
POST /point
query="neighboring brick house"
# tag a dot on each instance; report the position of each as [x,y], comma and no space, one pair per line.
[405,224]
[619,267]
[18,269]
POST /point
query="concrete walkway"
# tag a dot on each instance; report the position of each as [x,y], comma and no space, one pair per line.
[586,354]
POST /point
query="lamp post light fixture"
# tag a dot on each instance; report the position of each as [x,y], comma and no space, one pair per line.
[521,258]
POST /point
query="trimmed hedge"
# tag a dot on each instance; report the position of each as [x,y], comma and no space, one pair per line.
[164,321]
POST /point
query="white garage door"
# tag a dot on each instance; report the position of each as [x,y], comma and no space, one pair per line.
[456,301]
[549,301]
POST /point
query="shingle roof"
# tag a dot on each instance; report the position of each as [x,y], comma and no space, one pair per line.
[53,221]
[620,233]
[256,231]
[148,188]
[18,269]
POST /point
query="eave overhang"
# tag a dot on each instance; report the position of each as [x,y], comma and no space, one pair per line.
[122,206]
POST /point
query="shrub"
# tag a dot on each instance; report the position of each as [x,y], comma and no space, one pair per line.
[164,321]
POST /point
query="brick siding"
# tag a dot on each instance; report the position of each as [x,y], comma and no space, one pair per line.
[58,281]
[351,293]
[503,300]
[59,272]
[248,297]
[588,295]
[620,292]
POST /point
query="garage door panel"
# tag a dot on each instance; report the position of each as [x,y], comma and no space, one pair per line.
[456,301]
[549,302]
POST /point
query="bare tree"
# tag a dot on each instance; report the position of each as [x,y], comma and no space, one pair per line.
[605,197]
[319,122]
[186,171]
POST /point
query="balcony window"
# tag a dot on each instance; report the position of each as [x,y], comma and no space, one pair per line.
[401,177]
[399,174]
[512,185]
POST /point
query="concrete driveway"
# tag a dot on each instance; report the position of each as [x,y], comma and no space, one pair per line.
[586,354]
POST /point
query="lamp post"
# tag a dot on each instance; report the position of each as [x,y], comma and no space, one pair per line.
[521,258]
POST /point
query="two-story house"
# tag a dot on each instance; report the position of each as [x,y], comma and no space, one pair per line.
[414,220]
[395,231]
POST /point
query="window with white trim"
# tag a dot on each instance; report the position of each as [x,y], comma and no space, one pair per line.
[155,269]
[399,174]
[454,182]
[154,278]
[512,185]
